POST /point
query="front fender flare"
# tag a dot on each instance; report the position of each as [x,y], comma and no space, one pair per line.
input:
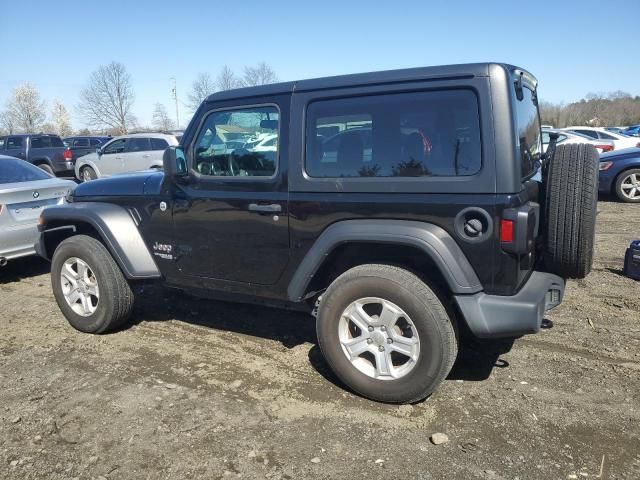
[430,238]
[116,228]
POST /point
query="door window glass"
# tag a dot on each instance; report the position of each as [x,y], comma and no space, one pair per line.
[138,144]
[117,146]
[81,142]
[587,133]
[14,142]
[227,144]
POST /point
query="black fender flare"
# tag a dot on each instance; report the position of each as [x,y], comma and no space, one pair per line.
[430,238]
[116,228]
[42,160]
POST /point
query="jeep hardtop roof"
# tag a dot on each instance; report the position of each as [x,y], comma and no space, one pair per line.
[444,72]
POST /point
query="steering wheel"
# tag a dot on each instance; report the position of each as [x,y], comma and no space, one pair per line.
[233,159]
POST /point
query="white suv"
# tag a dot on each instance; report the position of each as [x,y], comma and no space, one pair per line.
[129,153]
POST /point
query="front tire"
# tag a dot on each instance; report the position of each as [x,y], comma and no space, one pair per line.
[386,334]
[627,186]
[87,174]
[88,285]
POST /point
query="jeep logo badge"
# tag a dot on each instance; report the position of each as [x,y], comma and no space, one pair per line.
[36,194]
[163,206]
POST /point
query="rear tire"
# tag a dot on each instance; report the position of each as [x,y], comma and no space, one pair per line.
[47,168]
[87,174]
[410,318]
[571,197]
[88,285]
[627,186]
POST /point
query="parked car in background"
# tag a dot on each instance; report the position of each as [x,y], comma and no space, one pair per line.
[25,191]
[619,141]
[84,145]
[43,150]
[633,131]
[620,174]
[566,136]
[615,129]
[129,153]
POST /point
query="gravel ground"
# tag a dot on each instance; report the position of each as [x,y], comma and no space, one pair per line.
[202,389]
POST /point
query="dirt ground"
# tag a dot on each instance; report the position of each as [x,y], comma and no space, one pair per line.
[202,389]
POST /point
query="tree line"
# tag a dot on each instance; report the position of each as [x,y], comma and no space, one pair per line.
[596,109]
[107,99]
[106,102]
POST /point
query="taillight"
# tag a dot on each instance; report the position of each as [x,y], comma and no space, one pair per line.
[506,231]
[605,148]
[638,144]
[68,155]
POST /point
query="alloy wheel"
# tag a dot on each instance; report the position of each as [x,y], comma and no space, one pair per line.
[379,338]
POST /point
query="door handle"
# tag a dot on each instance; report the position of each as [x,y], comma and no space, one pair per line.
[146,156]
[268,208]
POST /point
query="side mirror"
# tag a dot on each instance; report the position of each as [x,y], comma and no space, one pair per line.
[99,151]
[174,162]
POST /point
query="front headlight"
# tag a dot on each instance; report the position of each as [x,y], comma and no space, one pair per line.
[605,165]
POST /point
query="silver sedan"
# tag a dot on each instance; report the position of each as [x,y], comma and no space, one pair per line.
[25,190]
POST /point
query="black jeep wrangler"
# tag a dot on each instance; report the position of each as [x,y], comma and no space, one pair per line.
[398,207]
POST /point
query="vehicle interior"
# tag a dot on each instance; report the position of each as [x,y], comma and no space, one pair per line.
[225,144]
[393,136]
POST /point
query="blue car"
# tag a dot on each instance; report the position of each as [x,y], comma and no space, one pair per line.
[620,174]
[632,131]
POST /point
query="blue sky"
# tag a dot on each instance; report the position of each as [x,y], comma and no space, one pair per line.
[573,47]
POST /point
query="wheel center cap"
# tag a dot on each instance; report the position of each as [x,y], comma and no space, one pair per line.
[378,338]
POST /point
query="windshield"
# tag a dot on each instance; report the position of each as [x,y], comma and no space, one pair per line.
[15,171]
[528,131]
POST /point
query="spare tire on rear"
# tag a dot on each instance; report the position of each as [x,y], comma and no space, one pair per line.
[571,197]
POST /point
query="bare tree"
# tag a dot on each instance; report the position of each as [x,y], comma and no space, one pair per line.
[261,74]
[60,118]
[107,99]
[26,111]
[161,120]
[202,87]
[7,123]
[227,80]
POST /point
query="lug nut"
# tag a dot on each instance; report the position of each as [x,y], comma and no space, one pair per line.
[383,328]
[371,329]
[381,348]
[389,340]
[369,341]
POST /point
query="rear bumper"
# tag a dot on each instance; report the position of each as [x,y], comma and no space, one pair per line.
[18,240]
[494,316]
[64,167]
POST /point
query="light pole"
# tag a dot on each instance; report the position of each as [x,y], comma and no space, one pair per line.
[174,92]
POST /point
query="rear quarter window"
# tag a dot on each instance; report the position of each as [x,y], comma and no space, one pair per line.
[421,134]
[528,131]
